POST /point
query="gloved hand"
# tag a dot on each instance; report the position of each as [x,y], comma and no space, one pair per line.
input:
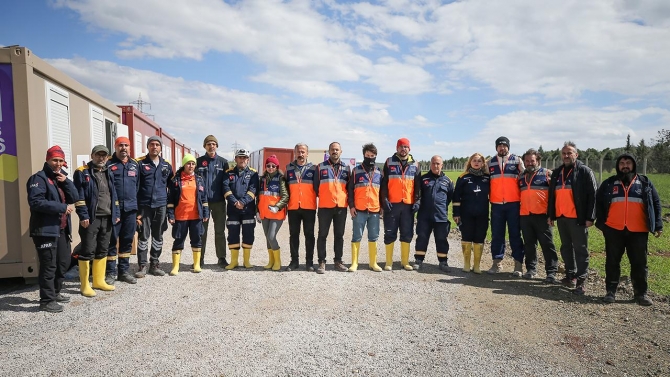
[388,205]
[273,209]
[415,208]
[258,218]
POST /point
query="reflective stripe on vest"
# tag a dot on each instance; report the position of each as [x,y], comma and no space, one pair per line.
[269,195]
[366,189]
[534,193]
[565,201]
[300,187]
[401,181]
[332,188]
[627,207]
[504,185]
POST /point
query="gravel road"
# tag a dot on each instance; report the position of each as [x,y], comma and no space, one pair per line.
[253,322]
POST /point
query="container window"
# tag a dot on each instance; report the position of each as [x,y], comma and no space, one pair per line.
[97,126]
[58,121]
[138,145]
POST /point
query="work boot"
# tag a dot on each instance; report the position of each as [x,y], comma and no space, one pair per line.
[610,297]
[467,253]
[176,256]
[155,269]
[404,256]
[126,277]
[444,266]
[477,249]
[196,259]
[322,268]
[271,260]
[389,257]
[246,254]
[643,300]
[339,266]
[277,260]
[530,274]
[84,271]
[309,267]
[569,282]
[418,265]
[496,268]
[234,256]
[551,279]
[293,266]
[99,267]
[110,278]
[72,273]
[142,272]
[61,298]
[518,269]
[355,248]
[580,289]
[51,307]
[372,251]
[222,263]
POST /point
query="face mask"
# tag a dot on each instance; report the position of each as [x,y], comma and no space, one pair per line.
[369,161]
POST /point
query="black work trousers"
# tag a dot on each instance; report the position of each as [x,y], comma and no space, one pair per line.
[535,228]
[308,218]
[338,217]
[54,257]
[634,244]
[95,238]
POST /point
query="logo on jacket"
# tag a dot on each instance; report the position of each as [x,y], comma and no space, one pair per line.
[291,175]
[204,163]
[200,188]
[324,173]
[34,185]
[113,168]
[392,169]
[615,191]
[538,181]
[638,191]
[360,179]
[492,170]
[147,168]
[231,177]
[131,173]
[512,167]
[426,182]
[309,174]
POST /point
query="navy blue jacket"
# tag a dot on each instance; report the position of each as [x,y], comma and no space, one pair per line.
[650,198]
[87,191]
[471,195]
[153,182]
[45,203]
[433,193]
[126,179]
[241,185]
[175,194]
[213,171]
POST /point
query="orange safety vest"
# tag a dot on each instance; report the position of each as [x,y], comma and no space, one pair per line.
[565,201]
[534,193]
[300,186]
[270,194]
[401,181]
[504,185]
[627,207]
[332,187]
[366,189]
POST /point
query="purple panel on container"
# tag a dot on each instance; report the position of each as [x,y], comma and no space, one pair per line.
[7,126]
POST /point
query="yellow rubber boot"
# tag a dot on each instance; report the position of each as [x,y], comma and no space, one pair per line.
[197,253]
[247,255]
[277,259]
[372,250]
[467,253]
[478,248]
[84,271]
[389,257]
[355,248]
[176,256]
[99,268]
[271,261]
[234,255]
[404,256]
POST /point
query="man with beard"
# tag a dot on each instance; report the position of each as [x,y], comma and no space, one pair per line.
[397,200]
[534,186]
[572,204]
[98,211]
[330,184]
[301,206]
[628,208]
[505,206]
[125,174]
[212,168]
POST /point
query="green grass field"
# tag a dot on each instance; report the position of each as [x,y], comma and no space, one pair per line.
[659,248]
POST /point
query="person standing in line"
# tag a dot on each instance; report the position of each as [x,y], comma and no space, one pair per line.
[301,207]
[272,200]
[330,184]
[471,209]
[364,207]
[212,168]
[534,187]
[239,189]
[628,208]
[125,174]
[397,201]
[98,211]
[187,210]
[572,204]
[155,174]
[51,197]
[505,197]
[433,193]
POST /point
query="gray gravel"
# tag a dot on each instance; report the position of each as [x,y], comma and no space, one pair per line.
[260,323]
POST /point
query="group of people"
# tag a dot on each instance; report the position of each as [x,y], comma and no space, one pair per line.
[116,196]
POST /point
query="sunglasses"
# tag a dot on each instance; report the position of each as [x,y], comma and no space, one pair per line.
[271,166]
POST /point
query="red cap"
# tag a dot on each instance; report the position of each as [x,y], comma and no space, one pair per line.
[403,141]
[121,139]
[272,159]
[55,152]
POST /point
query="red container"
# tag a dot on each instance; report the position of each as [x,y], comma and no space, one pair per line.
[140,129]
[169,149]
[178,153]
[257,158]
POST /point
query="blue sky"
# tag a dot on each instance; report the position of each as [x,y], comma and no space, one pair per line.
[450,76]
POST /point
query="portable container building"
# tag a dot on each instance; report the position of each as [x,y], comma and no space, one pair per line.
[168,148]
[141,128]
[41,106]
[257,158]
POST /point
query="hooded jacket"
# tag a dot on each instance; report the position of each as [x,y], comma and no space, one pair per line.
[650,198]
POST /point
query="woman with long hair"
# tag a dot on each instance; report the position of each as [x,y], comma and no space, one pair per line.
[272,200]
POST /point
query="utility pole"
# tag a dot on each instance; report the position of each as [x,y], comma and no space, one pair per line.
[140,104]
[235,147]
